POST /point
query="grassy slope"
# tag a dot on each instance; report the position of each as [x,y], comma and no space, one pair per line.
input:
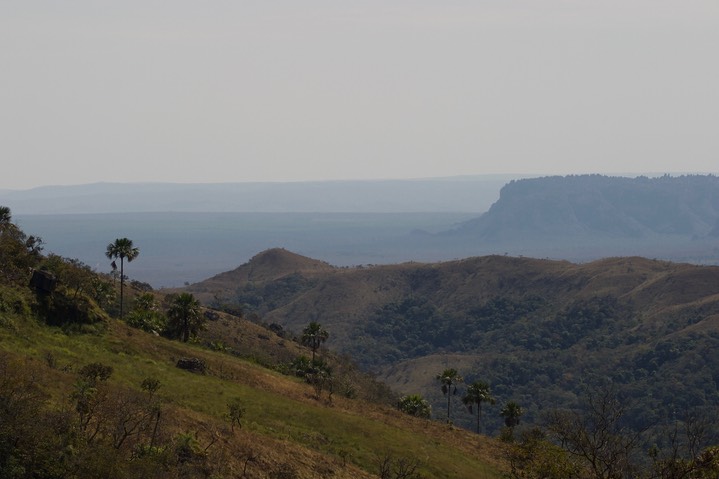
[284,422]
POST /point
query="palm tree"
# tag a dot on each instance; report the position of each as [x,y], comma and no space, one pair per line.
[511,413]
[449,380]
[5,216]
[184,316]
[122,248]
[6,223]
[477,393]
[415,405]
[313,336]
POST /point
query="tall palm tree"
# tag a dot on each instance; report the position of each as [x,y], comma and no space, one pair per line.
[477,393]
[184,316]
[122,248]
[449,380]
[313,336]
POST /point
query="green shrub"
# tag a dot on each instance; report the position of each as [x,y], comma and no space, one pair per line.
[415,405]
[59,309]
[150,321]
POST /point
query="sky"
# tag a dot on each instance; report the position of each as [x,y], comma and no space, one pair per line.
[286,90]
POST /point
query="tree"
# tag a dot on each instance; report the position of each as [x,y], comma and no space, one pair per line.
[101,291]
[90,394]
[511,412]
[73,273]
[18,252]
[236,412]
[449,380]
[122,248]
[145,314]
[415,405]
[313,336]
[5,216]
[184,318]
[477,393]
[315,372]
[319,375]
[681,456]
[535,457]
[400,468]
[597,437]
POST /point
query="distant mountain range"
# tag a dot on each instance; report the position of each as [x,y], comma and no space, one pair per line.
[452,194]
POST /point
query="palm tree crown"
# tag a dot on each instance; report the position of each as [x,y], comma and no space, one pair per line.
[122,248]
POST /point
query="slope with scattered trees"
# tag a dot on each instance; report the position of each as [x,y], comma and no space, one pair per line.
[537,331]
[83,394]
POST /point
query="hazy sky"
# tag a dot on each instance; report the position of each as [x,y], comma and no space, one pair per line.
[217,91]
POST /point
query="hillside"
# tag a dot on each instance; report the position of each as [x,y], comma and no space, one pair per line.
[83,394]
[270,265]
[283,424]
[538,330]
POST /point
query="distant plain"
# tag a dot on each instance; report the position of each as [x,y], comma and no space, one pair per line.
[176,248]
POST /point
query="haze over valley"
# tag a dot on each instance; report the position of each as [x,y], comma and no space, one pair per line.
[191,232]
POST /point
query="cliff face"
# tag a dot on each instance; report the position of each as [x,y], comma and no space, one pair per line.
[601,206]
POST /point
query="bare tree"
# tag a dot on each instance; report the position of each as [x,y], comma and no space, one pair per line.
[685,456]
[402,468]
[597,436]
